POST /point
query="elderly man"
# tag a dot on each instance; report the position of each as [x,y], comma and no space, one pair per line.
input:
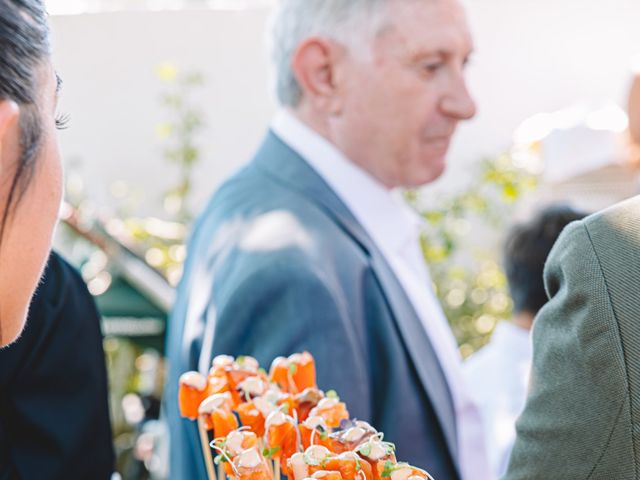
[307,248]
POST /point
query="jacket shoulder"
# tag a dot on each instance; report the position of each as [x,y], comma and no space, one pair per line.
[615,224]
[584,383]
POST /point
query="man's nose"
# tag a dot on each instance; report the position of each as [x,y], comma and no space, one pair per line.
[458,102]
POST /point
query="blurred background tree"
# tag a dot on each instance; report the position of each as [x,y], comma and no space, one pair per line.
[124,256]
[461,243]
[162,241]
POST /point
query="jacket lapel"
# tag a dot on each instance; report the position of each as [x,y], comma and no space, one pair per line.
[281,163]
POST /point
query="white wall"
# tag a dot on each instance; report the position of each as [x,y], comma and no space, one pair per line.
[107,62]
[542,55]
[532,56]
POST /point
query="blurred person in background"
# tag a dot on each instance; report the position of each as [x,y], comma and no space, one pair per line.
[309,247]
[498,374]
[31,182]
[633,110]
[54,413]
[581,414]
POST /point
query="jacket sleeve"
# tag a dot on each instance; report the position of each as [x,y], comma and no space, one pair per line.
[280,303]
[577,417]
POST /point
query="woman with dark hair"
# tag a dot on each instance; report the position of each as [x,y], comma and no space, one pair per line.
[54,416]
[30,171]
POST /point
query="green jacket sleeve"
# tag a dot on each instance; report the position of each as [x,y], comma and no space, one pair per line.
[576,423]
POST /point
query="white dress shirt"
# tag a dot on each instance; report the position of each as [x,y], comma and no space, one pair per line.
[497,376]
[395,229]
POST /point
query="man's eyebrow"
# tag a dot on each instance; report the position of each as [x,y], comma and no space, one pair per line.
[440,53]
[58,84]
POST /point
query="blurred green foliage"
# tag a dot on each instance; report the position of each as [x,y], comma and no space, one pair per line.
[161,241]
[136,372]
[461,243]
[178,133]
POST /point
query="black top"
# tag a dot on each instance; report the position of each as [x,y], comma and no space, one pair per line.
[54,417]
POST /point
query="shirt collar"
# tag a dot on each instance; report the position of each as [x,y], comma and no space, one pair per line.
[381,212]
[512,337]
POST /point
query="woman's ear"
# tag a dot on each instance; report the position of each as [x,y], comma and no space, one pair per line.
[314,64]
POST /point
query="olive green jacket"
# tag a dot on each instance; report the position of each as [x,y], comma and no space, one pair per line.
[582,417]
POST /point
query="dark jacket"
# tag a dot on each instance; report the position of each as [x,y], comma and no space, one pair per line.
[277,265]
[54,417]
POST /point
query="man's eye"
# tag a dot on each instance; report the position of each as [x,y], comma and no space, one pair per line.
[432,67]
[62,121]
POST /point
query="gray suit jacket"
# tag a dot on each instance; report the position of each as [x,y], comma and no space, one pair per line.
[278,264]
[582,417]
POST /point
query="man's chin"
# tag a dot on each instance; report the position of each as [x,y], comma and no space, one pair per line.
[436,167]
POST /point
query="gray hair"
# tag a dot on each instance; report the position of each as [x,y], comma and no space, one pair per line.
[350,22]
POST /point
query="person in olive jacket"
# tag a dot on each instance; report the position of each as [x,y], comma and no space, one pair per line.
[581,417]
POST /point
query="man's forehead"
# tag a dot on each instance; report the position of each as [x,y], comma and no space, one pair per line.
[429,26]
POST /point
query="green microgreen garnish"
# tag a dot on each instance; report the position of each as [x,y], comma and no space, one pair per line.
[270,452]
[389,467]
[365,449]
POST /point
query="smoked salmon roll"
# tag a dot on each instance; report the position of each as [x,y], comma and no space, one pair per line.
[217,376]
[350,466]
[351,437]
[303,465]
[326,475]
[306,401]
[302,367]
[294,374]
[233,445]
[242,369]
[332,410]
[212,403]
[224,422]
[282,438]
[380,455]
[239,441]
[251,465]
[314,431]
[192,391]
[252,417]
[280,375]
[404,471]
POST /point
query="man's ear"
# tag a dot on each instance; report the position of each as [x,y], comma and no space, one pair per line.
[314,64]
[9,114]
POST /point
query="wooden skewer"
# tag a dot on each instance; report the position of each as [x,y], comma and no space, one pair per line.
[276,470]
[261,449]
[221,474]
[206,450]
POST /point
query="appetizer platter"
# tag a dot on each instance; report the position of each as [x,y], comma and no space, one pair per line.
[258,425]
